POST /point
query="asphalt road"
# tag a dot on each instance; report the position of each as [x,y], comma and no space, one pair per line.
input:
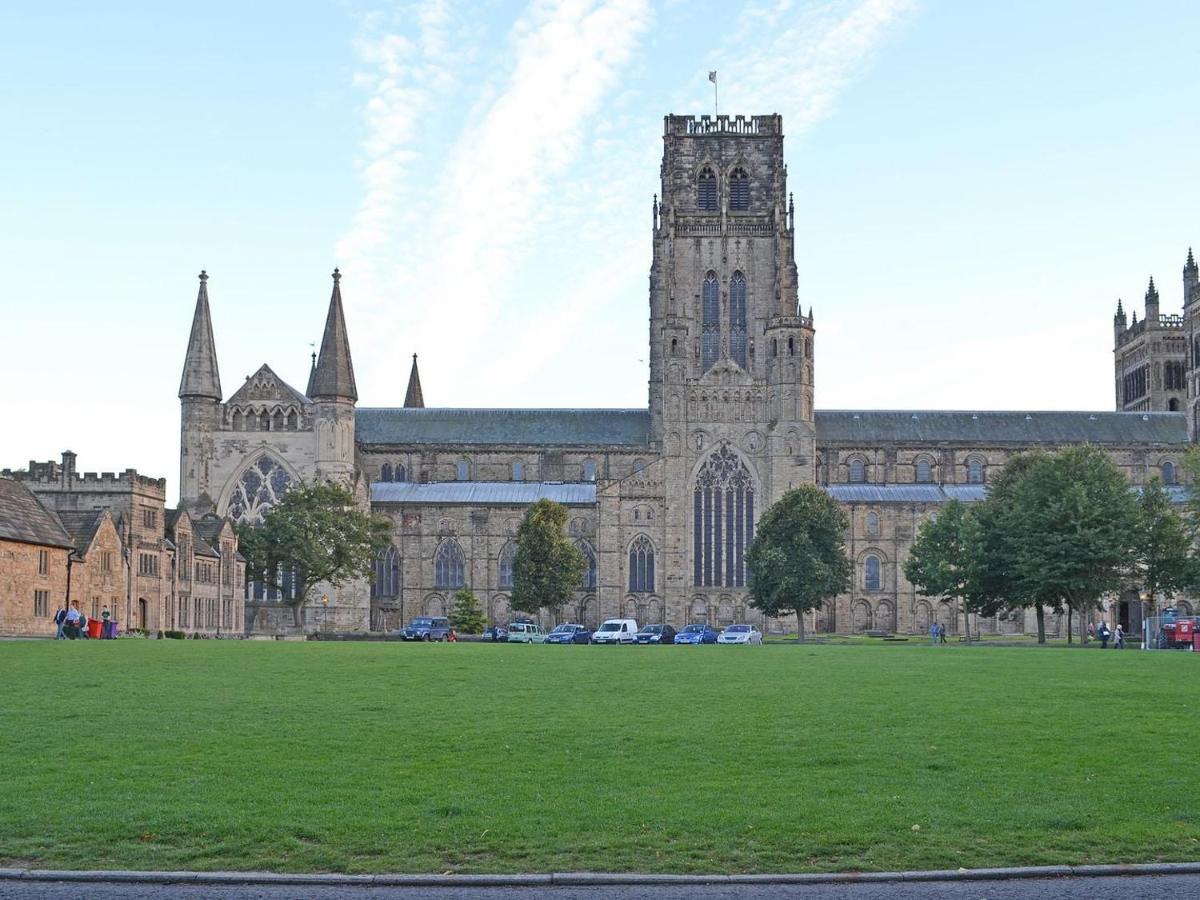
[1143,887]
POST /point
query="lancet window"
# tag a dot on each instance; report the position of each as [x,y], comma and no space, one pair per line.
[641,565]
[737,319]
[711,329]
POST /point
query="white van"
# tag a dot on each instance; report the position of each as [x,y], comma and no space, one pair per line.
[615,631]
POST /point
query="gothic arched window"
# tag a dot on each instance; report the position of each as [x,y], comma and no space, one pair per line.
[518,471]
[641,566]
[711,329]
[385,585]
[739,190]
[448,565]
[858,471]
[872,524]
[463,470]
[589,571]
[589,471]
[1168,472]
[871,573]
[385,472]
[257,491]
[737,319]
[398,473]
[506,560]
[924,471]
[722,520]
[706,190]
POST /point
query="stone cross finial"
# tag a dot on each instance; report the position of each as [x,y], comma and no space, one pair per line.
[203,275]
[337,275]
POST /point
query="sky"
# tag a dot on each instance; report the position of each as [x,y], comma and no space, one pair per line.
[976,184]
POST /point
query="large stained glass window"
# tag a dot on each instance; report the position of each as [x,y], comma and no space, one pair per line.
[722,520]
[506,561]
[589,572]
[261,486]
[448,565]
[641,566]
[712,320]
[737,319]
[385,581]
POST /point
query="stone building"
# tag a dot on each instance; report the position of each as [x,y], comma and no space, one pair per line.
[664,499]
[125,555]
[35,562]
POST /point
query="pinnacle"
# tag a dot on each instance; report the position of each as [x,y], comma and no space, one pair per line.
[333,376]
[414,398]
[201,377]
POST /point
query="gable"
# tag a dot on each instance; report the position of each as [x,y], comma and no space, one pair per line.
[264,386]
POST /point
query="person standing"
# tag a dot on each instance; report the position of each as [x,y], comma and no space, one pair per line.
[1103,634]
[941,633]
[73,620]
[105,622]
[1119,638]
[83,626]
[60,622]
[933,633]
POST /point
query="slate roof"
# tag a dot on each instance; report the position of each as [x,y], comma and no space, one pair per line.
[514,493]
[209,527]
[905,493]
[23,518]
[977,428]
[82,526]
[548,427]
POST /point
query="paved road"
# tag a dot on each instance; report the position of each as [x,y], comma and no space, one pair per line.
[1144,887]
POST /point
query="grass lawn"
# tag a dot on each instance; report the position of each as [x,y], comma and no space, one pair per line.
[476,758]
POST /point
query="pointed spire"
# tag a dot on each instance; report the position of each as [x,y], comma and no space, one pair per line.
[312,376]
[333,377]
[1191,263]
[1120,309]
[1151,291]
[1134,322]
[414,399]
[200,375]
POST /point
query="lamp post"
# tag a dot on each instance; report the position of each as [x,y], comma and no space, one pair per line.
[325,613]
[1145,597]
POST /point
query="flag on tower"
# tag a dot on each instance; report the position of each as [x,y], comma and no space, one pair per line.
[712,76]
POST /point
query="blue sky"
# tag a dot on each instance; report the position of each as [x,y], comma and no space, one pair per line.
[976,184]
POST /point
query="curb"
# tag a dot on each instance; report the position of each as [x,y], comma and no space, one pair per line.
[579,879]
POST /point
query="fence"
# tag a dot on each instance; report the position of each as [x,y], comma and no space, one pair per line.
[1170,633]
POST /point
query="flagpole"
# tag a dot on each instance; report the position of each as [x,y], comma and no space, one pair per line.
[712,76]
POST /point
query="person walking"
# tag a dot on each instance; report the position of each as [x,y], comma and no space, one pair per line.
[1103,633]
[933,633]
[73,621]
[105,622]
[83,626]
[1119,638]
[60,621]
[941,633]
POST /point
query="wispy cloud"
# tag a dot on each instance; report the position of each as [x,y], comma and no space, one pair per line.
[505,219]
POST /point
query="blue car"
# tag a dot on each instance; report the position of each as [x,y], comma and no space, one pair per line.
[697,634]
[568,633]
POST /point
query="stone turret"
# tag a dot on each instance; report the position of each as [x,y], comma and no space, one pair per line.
[1152,302]
[333,390]
[1119,321]
[414,399]
[1191,280]
[200,402]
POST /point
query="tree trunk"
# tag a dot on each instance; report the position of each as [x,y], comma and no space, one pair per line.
[962,606]
[1083,626]
[1070,610]
[800,625]
[1041,622]
[297,618]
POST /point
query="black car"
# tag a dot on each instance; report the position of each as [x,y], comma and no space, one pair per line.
[497,634]
[655,634]
[427,628]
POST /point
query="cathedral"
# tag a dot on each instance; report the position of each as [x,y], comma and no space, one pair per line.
[662,500]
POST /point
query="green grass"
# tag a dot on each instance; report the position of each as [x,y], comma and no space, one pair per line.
[472,758]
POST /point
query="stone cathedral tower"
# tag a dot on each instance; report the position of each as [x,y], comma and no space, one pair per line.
[731,373]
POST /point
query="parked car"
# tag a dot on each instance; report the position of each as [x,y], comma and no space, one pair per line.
[740,634]
[427,628]
[615,631]
[525,633]
[497,634]
[655,634]
[697,634]
[569,633]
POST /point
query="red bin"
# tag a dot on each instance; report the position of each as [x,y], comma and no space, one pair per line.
[94,626]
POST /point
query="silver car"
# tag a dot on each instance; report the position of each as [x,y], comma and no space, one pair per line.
[740,634]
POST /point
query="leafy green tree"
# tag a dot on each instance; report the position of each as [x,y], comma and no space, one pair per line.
[316,534]
[797,559]
[1163,544]
[940,562]
[467,617]
[547,566]
[1078,530]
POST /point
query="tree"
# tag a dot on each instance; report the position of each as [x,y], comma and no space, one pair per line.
[1077,529]
[467,617]
[1163,544]
[547,566]
[797,559]
[940,562]
[315,534]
